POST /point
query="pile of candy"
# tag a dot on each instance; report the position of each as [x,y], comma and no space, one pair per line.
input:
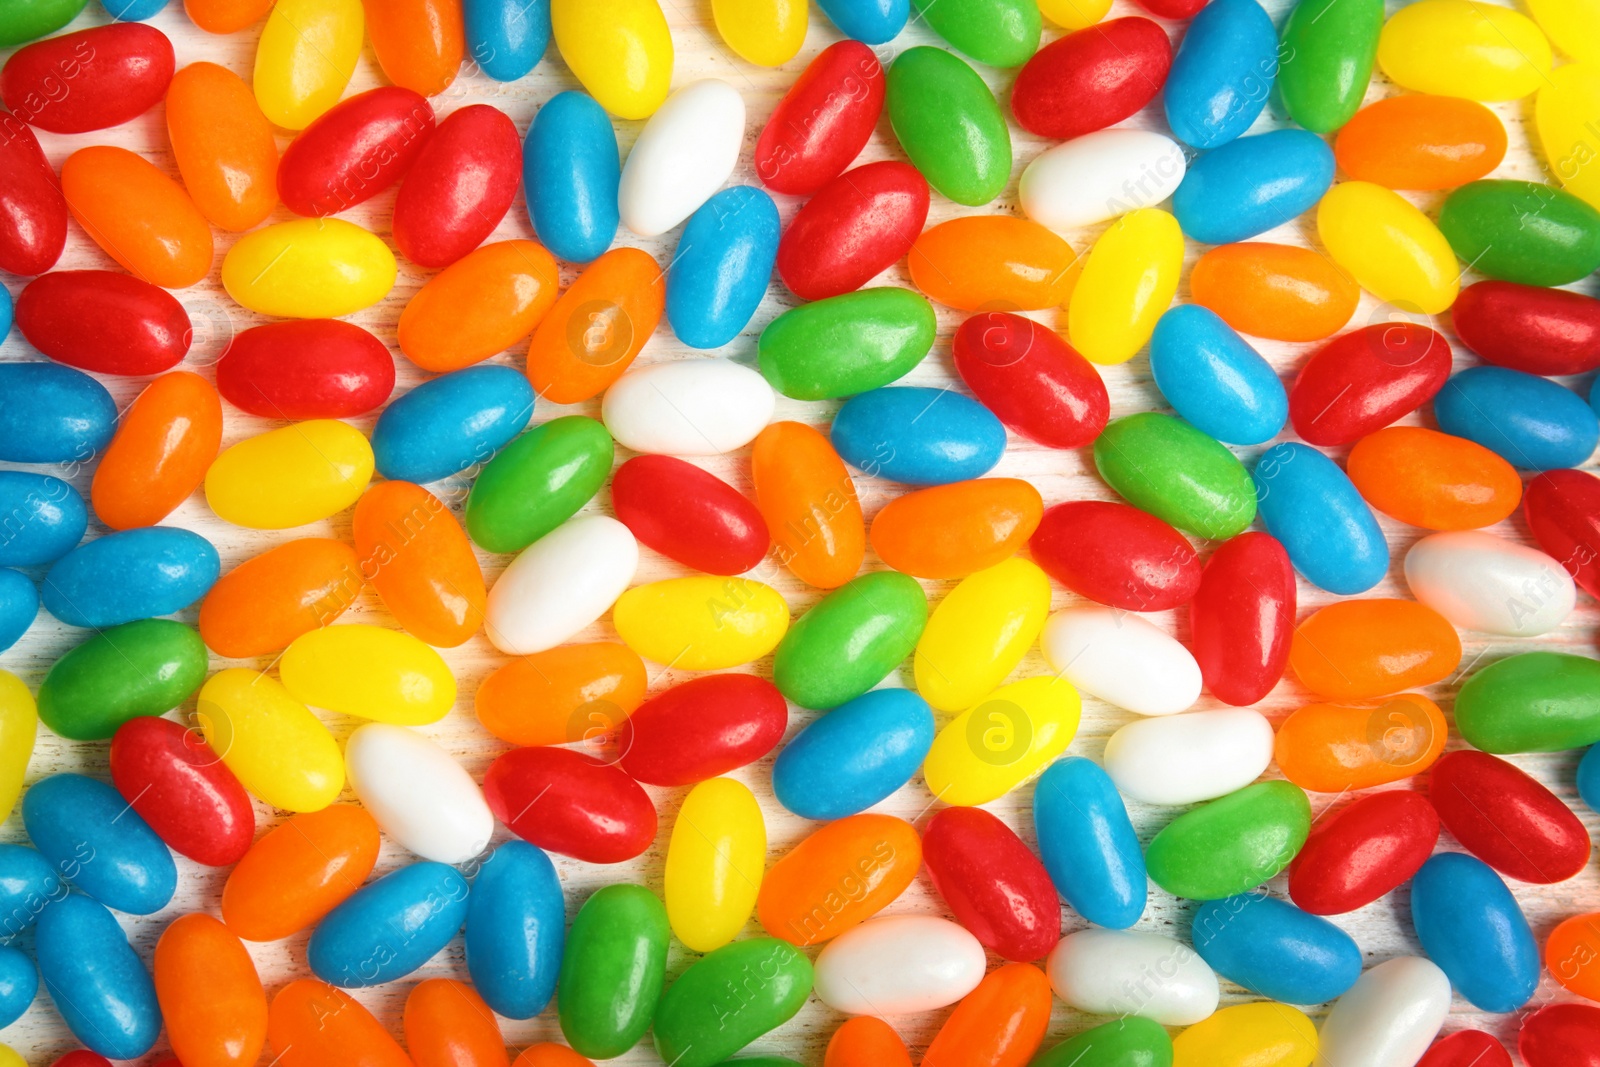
[186,778]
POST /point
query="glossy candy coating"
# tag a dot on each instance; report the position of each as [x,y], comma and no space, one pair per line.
[167,773]
[1463,48]
[419,43]
[857,754]
[272,743]
[846,344]
[721,269]
[129,575]
[1529,328]
[688,407]
[84,828]
[461,185]
[917,435]
[1123,659]
[448,1024]
[1471,926]
[1389,1017]
[314,369]
[50,518]
[1001,33]
[1314,510]
[389,927]
[852,229]
[267,601]
[308,269]
[480,305]
[992,882]
[597,327]
[1129,1042]
[1221,74]
[1165,466]
[305,57]
[1466,1048]
[1252,185]
[1127,282]
[35,228]
[1326,61]
[369,672]
[1433,480]
[421,797]
[515,930]
[613,970]
[866,1041]
[1562,508]
[450,423]
[823,121]
[1412,141]
[95,979]
[695,1028]
[1091,79]
[621,54]
[88,80]
[684,154]
[714,863]
[700,622]
[689,515]
[567,693]
[1034,381]
[1334,748]
[146,667]
[877,855]
[1537,424]
[1508,819]
[223,146]
[1214,380]
[949,531]
[570,171]
[141,218]
[290,476]
[299,871]
[1274,949]
[1519,231]
[19,727]
[1242,618]
[949,124]
[1116,554]
[702,728]
[538,482]
[1352,650]
[51,414]
[1552,1035]
[19,606]
[1388,246]
[1000,1023]
[506,39]
[420,562]
[27,881]
[899,964]
[1182,759]
[562,583]
[1099,176]
[1486,583]
[1249,1035]
[850,640]
[570,803]
[981,262]
[1087,843]
[1363,851]
[980,632]
[167,440]
[767,34]
[224,16]
[1002,740]
[1366,379]
[105,322]
[1562,110]
[869,21]
[1231,845]
[212,1003]
[19,987]
[801,485]
[1277,291]
[1089,968]
[311,1023]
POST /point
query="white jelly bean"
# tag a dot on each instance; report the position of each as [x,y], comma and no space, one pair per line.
[1184,759]
[418,793]
[897,965]
[690,407]
[1482,582]
[1099,176]
[560,584]
[1133,972]
[1122,659]
[1388,1018]
[683,155]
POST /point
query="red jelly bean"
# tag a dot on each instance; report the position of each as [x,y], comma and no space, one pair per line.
[168,774]
[1563,511]
[1116,554]
[460,187]
[354,150]
[82,1058]
[855,227]
[1358,855]
[33,212]
[823,121]
[1092,79]
[702,728]
[1177,10]
[1033,380]
[103,321]
[993,883]
[1562,1035]
[1241,622]
[88,80]
[1507,819]
[570,803]
[307,369]
[1365,380]
[1466,1048]
[689,514]
[1529,328]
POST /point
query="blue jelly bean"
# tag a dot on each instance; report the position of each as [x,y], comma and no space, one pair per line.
[570,172]
[868,21]
[390,927]
[720,271]
[1221,74]
[1310,505]
[27,883]
[133,10]
[1470,925]
[1274,949]
[53,414]
[19,984]
[516,930]
[96,979]
[854,756]
[506,38]
[1087,843]
[453,422]
[1531,422]
[41,518]
[19,606]
[1214,380]
[918,436]
[6,312]
[94,840]
[130,574]
[1589,778]
[1253,185]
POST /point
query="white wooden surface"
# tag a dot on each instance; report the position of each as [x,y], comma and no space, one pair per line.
[1382,929]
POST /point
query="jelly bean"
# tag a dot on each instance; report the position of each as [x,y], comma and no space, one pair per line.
[1248,1035]
[140,217]
[420,563]
[1277,291]
[622,55]
[1214,379]
[34,227]
[918,436]
[19,725]
[1482,582]
[1229,846]
[315,369]
[1334,748]
[980,632]
[290,476]
[1274,949]
[1166,467]
[1315,511]
[28,884]
[823,121]
[86,830]
[1570,27]
[515,930]
[1554,1034]
[1035,382]
[561,584]
[866,1041]
[1537,424]
[1087,843]
[1001,33]
[1127,1041]
[308,269]
[1252,185]
[1326,61]
[369,672]
[1362,649]
[1002,740]
[1564,108]
[949,124]
[1242,618]
[1524,232]
[19,606]
[311,1023]
[766,34]
[19,986]
[808,500]
[266,602]
[1091,79]
[130,575]
[613,970]
[550,1054]
[1529,328]
[1388,246]
[47,518]
[1367,379]
[51,414]
[702,728]
[25,22]
[1123,659]
[390,927]
[1361,853]
[898,965]
[694,1024]
[1466,1048]
[272,743]
[992,261]
[211,998]
[299,871]
[1433,480]
[96,980]
[182,790]
[714,864]
[223,146]
[701,623]
[1569,955]
[147,667]
[224,16]
[1389,1017]
[305,57]
[702,407]
[419,43]
[570,172]
[571,804]
[1184,759]
[461,185]
[447,1024]
[538,482]
[846,344]
[167,440]
[1562,507]
[1099,176]
[689,515]
[841,875]
[420,796]
[992,883]
[448,424]
[1508,819]
[1098,971]
[1221,74]
[1470,925]
[102,321]
[596,328]
[1462,48]
[859,753]
[562,694]
[950,531]
[868,21]
[720,271]
[1001,1023]
[681,157]
[1421,142]
[88,80]
[506,39]
[852,229]
[480,305]
[1127,282]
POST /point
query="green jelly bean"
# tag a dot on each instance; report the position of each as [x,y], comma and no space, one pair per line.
[950,125]
[1532,702]
[612,971]
[538,482]
[1170,469]
[846,344]
[139,668]
[24,20]
[1001,33]
[850,640]
[1326,60]
[1524,232]
[1231,845]
[728,998]
[1133,1041]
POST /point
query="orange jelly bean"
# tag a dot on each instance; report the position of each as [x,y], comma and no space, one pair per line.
[1572,954]
[1413,141]
[999,1024]
[564,694]
[299,871]
[1432,479]
[1363,649]
[866,1041]
[223,145]
[808,500]
[211,998]
[269,600]
[161,452]
[550,1054]
[478,306]
[419,43]
[843,874]
[597,327]
[314,1024]
[1281,292]
[949,531]
[1332,748]
[448,1025]
[139,216]
[418,558]
[993,263]
[225,16]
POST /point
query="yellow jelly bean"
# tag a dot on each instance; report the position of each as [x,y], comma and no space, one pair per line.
[1390,248]
[1128,280]
[621,50]
[1074,14]
[1463,48]
[19,724]
[1567,113]
[309,269]
[369,672]
[270,741]
[714,864]
[703,623]
[10,1057]
[980,632]
[1248,1035]
[306,55]
[290,476]
[1572,25]
[768,33]
[1002,740]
